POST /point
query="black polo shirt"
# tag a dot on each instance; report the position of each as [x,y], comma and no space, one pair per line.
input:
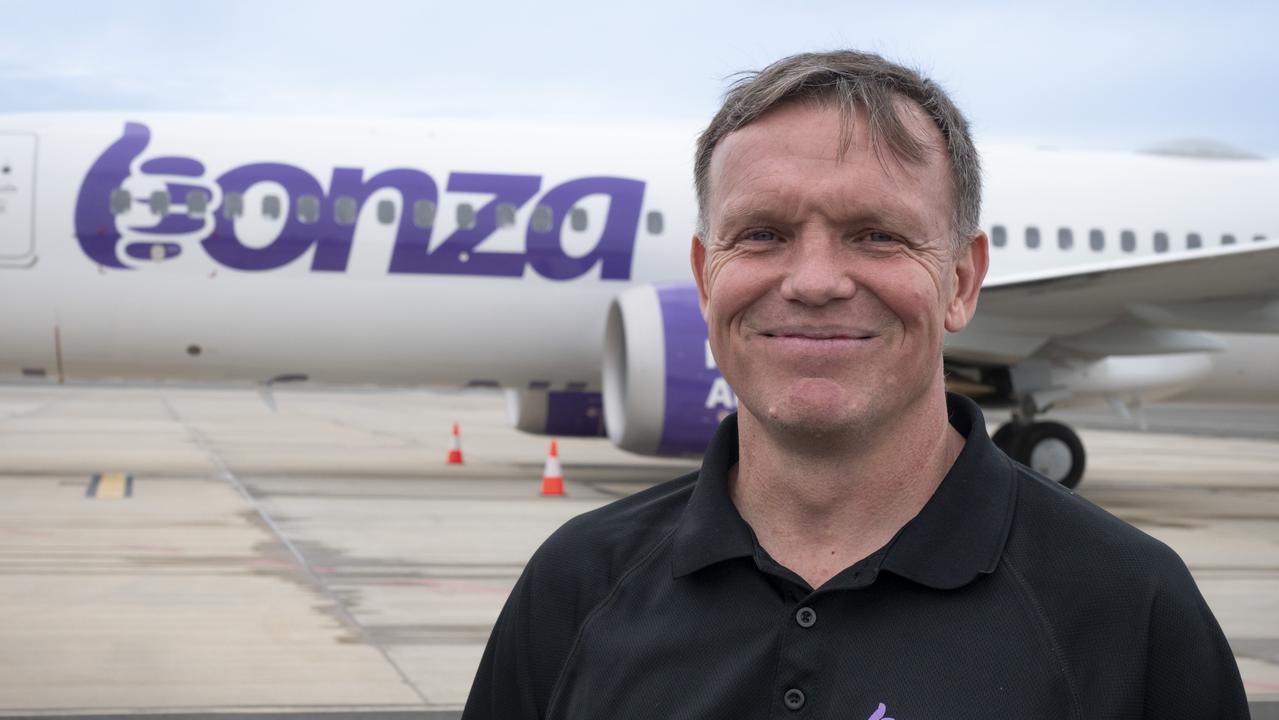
[1007,596]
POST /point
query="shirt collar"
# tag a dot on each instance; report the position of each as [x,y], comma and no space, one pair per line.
[957,536]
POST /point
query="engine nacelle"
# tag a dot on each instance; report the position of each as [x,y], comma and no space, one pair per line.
[663,394]
[564,413]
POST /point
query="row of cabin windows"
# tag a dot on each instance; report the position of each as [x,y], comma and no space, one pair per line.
[1097,239]
[345,210]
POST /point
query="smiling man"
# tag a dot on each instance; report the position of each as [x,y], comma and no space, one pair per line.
[854,546]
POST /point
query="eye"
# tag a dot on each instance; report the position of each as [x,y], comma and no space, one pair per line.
[761,236]
[876,236]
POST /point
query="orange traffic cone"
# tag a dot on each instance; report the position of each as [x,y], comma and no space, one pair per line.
[455,447]
[553,474]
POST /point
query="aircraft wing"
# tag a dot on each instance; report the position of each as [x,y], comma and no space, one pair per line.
[1140,306]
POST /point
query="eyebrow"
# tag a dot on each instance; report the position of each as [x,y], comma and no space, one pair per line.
[888,218]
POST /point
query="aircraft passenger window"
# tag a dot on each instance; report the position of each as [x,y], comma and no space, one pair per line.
[160,202]
[197,203]
[999,236]
[1193,241]
[505,215]
[344,210]
[1161,242]
[309,209]
[1227,239]
[232,205]
[1096,240]
[1032,237]
[1258,238]
[577,219]
[655,223]
[271,207]
[385,212]
[423,214]
[1128,241]
[1065,238]
[465,216]
[120,201]
[543,219]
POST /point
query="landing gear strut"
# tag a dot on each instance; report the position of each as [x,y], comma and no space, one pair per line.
[1049,448]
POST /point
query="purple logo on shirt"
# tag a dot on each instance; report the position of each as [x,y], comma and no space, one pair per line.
[879,713]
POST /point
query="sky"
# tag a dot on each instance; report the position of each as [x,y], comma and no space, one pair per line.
[1082,74]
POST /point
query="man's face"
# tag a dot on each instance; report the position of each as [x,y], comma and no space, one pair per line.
[827,282]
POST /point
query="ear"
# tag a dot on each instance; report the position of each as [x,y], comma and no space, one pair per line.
[969,272]
[697,258]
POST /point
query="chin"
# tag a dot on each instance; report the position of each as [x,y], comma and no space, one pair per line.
[818,409]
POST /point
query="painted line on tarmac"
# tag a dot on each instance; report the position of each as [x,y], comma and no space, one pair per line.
[339,607]
[114,486]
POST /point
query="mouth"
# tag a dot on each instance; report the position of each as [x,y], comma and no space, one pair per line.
[817,342]
[817,334]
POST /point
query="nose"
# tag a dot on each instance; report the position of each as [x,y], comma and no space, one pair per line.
[815,272]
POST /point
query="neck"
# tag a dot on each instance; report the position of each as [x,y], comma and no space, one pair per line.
[820,505]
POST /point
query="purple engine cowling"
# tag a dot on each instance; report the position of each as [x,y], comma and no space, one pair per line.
[663,394]
[563,413]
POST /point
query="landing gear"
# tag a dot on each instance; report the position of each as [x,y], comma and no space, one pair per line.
[1049,448]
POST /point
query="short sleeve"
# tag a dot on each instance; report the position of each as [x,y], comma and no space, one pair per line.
[1190,669]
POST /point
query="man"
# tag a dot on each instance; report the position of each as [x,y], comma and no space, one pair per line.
[854,546]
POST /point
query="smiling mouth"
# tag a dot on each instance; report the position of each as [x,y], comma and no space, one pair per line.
[816,335]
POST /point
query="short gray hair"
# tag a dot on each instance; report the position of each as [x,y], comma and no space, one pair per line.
[853,80]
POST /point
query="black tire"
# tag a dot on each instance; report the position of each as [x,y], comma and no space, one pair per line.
[1048,438]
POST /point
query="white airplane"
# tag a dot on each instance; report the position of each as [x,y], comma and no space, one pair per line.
[551,260]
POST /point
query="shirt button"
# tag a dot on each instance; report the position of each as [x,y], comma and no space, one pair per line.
[794,699]
[806,617]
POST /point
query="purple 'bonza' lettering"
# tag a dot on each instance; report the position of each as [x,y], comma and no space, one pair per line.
[457,254]
[294,239]
[412,185]
[616,247]
[879,713]
[94,223]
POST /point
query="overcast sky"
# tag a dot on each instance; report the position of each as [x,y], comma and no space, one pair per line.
[1076,74]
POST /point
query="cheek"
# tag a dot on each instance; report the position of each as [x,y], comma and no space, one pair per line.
[732,287]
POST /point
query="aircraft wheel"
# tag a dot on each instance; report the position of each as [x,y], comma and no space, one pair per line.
[1054,451]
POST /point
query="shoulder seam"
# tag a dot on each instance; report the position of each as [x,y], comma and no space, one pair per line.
[1042,618]
[595,611]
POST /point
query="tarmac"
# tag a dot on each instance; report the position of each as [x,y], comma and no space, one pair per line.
[183,552]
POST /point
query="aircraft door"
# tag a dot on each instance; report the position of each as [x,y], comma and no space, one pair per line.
[17,198]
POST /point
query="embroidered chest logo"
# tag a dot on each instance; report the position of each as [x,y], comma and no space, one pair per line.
[879,713]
